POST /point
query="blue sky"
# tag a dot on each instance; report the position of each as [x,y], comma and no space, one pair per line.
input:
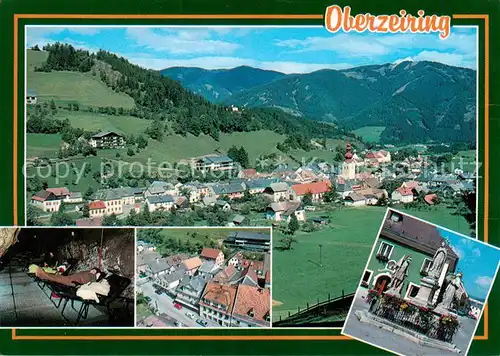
[285,49]
[478,262]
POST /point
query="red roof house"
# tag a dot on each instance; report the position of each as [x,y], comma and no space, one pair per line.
[97,205]
[430,198]
[313,188]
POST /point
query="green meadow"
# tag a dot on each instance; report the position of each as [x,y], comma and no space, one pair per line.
[370,133]
[346,242]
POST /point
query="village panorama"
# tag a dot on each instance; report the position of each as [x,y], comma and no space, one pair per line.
[110,143]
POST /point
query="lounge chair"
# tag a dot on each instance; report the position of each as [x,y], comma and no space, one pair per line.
[68,294]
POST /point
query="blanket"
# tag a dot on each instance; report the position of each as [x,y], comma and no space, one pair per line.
[72,280]
[90,291]
[34,268]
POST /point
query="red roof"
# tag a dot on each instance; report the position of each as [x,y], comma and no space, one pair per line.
[97,205]
[429,198]
[411,184]
[370,155]
[250,172]
[221,294]
[210,253]
[404,191]
[253,300]
[313,188]
[58,191]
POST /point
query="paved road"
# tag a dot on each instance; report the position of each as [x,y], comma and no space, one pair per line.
[368,333]
[165,304]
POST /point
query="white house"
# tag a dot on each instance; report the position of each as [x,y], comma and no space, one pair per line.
[403,195]
[277,191]
[163,202]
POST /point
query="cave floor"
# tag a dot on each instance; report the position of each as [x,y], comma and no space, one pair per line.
[24,303]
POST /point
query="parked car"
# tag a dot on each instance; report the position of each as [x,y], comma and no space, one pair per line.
[190,315]
[158,291]
[202,322]
[178,324]
[177,306]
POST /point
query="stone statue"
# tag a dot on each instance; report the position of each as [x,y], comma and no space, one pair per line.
[438,261]
[399,274]
[454,282]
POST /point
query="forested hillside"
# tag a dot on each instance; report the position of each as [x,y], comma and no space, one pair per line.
[170,105]
[410,101]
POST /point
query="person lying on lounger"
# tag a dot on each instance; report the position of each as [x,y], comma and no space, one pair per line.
[73,280]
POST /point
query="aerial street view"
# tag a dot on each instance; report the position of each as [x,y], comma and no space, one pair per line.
[66,277]
[423,289]
[311,133]
[203,277]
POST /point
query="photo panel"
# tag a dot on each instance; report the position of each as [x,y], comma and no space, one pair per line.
[423,290]
[66,277]
[203,277]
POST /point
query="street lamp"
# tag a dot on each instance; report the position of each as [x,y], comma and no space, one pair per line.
[320,246]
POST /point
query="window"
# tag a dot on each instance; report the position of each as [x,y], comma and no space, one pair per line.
[366,278]
[385,250]
[426,265]
[396,217]
[412,290]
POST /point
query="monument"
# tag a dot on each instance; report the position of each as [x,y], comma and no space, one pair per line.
[398,276]
[454,281]
[430,283]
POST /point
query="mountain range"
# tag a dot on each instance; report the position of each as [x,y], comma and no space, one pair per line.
[414,101]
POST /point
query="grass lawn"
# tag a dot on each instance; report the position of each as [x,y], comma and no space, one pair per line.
[42,145]
[143,311]
[465,160]
[65,178]
[346,246]
[174,148]
[370,133]
[64,86]
[100,122]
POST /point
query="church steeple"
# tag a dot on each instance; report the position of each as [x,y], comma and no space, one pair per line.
[348,152]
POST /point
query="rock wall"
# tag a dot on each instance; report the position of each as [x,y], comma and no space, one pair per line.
[113,248]
[8,236]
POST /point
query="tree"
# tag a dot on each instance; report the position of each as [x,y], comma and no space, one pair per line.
[307,199]
[130,152]
[293,225]
[287,243]
[331,195]
[85,211]
[32,216]
[88,193]
[131,219]
[60,219]
[110,220]
[34,184]
[141,142]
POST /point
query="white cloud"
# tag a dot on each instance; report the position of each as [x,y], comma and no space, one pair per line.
[484,281]
[192,41]
[221,62]
[458,49]
[453,59]
[342,43]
